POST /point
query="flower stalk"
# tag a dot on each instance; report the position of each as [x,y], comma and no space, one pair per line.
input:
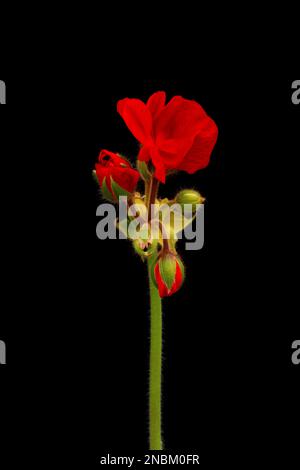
[155,379]
[151,195]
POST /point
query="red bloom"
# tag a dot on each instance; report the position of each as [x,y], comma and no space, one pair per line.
[176,136]
[169,274]
[115,175]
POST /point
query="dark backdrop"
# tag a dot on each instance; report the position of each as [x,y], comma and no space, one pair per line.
[75,312]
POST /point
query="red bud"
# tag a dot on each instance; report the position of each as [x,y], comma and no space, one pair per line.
[168,274]
[116,176]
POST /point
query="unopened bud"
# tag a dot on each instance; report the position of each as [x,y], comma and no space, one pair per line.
[116,176]
[168,274]
[189,196]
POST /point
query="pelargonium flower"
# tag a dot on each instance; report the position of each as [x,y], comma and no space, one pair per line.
[116,176]
[176,136]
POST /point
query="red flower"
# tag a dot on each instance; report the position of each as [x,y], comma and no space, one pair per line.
[115,175]
[168,274]
[176,136]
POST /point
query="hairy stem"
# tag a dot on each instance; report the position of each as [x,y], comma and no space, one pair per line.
[155,366]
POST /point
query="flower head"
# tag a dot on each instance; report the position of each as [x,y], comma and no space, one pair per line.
[176,136]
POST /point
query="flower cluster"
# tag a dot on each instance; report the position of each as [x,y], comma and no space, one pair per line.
[177,136]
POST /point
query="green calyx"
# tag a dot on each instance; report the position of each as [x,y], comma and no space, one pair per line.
[106,192]
[182,268]
[115,192]
[167,269]
[118,191]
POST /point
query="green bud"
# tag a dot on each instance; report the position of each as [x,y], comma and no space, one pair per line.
[167,273]
[167,268]
[189,196]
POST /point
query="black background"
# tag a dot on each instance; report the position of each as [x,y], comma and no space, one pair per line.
[75,312]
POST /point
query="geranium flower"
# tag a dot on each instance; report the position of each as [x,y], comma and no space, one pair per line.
[176,136]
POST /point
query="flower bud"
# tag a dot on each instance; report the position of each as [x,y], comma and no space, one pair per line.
[115,175]
[189,196]
[168,274]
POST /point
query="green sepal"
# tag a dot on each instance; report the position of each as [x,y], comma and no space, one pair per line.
[105,191]
[167,269]
[118,191]
[182,268]
[143,170]
[95,177]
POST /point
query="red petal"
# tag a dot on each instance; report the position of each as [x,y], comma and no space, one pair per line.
[101,172]
[180,119]
[178,280]
[176,128]
[144,154]
[199,154]
[156,103]
[126,178]
[150,152]
[172,152]
[137,118]
[160,170]
[107,158]
[169,146]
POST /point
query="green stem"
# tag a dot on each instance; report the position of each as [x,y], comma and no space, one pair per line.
[151,195]
[155,366]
